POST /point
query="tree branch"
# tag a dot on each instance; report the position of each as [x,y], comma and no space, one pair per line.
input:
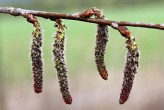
[76,16]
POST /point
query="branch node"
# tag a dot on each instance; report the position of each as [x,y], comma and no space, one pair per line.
[114,25]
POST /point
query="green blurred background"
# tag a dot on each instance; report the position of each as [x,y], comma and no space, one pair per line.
[89,91]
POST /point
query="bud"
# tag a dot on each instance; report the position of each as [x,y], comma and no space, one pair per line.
[87,14]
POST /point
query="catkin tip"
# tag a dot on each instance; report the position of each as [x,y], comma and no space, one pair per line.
[68,100]
[36,89]
[121,101]
[123,98]
[104,75]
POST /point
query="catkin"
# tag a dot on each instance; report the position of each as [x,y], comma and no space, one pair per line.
[131,65]
[36,57]
[60,64]
[101,42]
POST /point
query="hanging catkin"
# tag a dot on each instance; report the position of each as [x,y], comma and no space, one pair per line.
[60,62]
[131,65]
[36,57]
[101,42]
[129,73]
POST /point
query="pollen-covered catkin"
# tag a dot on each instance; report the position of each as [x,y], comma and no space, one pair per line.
[101,42]
[131,65]
[36,57]
[60,63]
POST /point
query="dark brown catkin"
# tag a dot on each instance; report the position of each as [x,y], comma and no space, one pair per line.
[101,42]
[131,65]
[60,63]
[36,57]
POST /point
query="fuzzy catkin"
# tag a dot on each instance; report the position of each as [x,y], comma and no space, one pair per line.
[132,63]
[60,65]
[101,42]
[36,57]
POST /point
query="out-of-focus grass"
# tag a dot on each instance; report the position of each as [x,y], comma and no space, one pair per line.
[15,36]
[89,91]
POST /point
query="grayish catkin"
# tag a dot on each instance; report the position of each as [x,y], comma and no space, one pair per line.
[60,64]
[131,65]
[101,42]
[36,57]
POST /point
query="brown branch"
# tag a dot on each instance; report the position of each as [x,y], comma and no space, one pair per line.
[76,16]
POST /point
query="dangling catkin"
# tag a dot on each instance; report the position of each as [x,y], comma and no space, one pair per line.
[101,42]
[132,63]
[60,62]
[36,57]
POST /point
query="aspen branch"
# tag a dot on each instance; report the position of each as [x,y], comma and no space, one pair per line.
[53,16]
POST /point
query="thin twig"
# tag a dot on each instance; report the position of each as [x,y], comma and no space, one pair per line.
[53,16]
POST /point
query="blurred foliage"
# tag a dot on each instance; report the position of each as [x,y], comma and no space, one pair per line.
[76,4]
[88,88]
[15,37]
